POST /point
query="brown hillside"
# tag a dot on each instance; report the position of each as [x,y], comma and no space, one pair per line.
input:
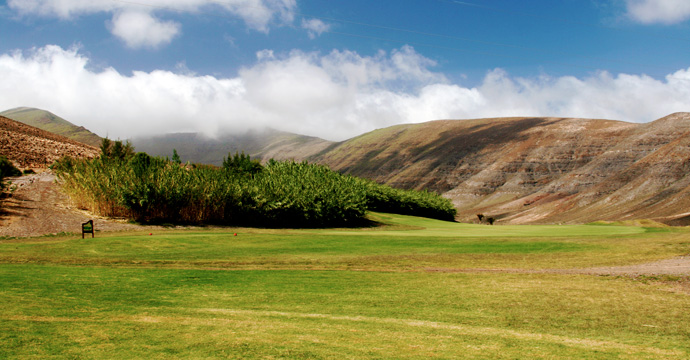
[32,148]
[527,170]
[48,121]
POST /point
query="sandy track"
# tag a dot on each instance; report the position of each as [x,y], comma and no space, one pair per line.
[37,207]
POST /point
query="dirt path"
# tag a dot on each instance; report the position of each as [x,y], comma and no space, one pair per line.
[37,207]
[679,266]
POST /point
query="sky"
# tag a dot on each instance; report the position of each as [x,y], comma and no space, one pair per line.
[339,68]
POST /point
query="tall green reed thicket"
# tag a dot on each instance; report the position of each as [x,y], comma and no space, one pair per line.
[280,194]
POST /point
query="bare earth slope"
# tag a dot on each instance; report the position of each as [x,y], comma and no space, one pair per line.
[534,170]
[33,148]
[38,207]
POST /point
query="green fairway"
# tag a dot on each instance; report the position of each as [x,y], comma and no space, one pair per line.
[414,288]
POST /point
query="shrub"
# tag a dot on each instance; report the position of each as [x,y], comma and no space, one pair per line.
[7,169]
[305,194]
[290,194]
[408,202]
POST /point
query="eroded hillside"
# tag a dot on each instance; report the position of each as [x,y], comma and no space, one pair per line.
[518,170]
[525,170]
[32,148]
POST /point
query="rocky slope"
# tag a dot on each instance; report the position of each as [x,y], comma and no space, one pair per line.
[32,148]
[527,170]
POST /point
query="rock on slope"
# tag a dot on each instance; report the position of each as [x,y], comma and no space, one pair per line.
[527,170]
[33,148]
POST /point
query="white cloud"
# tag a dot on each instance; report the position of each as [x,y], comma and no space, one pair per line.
[64,9]
[335,96]
[315,27]
[658,11]
[138,27]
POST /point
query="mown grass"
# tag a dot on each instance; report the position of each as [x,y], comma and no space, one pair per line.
[418,244]
[271,293]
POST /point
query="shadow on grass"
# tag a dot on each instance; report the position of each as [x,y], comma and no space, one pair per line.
[365,223]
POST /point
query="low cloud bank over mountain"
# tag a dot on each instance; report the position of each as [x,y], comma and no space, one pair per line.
[335,95]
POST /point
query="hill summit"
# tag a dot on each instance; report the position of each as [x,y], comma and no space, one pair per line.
[48,121]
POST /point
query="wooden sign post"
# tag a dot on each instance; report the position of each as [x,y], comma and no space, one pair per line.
[87,227]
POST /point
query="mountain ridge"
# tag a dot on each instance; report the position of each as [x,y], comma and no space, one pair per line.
[518,170]
[262,144]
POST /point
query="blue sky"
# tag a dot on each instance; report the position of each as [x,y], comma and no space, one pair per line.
[338,68]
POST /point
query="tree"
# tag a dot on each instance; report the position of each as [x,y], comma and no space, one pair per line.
[116,149]
[176,157]
[242,163]
[105,148]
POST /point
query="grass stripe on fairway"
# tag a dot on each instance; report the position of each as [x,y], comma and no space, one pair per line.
[136,313]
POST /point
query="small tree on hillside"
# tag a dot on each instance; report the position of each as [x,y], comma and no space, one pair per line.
[176,157]
[116,150]
[105,148]
[242,163]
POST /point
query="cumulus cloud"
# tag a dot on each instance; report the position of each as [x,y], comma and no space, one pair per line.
[335,96]
[140,29]
[315,27]
[658,11]
[139,26]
